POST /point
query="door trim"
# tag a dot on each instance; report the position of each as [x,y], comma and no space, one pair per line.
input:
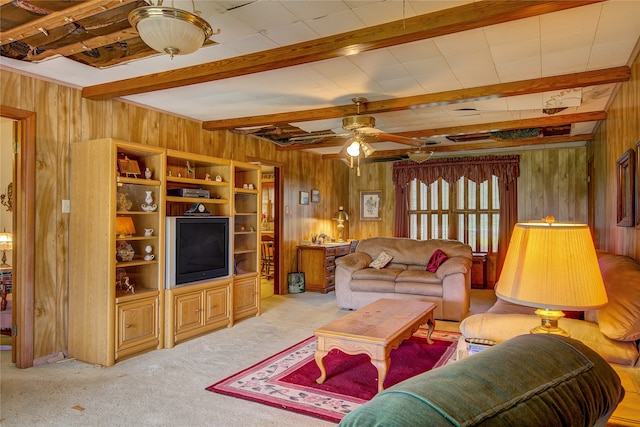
[24,233]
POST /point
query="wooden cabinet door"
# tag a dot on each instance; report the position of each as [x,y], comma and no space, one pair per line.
[217,308]
[189,314]
[137,326]
[245,297]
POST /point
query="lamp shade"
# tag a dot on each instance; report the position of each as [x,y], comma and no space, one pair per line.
[125,226]
[552,266]
[170,30]
[6,241]
[341,215]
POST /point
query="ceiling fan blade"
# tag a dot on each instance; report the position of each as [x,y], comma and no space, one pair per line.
[397,138]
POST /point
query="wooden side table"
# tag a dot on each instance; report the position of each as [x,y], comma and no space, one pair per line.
[318,263]
[479,270]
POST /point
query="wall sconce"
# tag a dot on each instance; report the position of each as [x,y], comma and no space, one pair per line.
[7,198]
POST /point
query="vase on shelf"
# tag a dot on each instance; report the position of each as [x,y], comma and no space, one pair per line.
[149,206]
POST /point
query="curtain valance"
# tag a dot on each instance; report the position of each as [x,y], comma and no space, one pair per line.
[477,169]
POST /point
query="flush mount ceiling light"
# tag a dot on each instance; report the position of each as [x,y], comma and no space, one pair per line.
[171,30]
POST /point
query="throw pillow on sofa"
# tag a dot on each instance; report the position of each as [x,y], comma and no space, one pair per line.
[381,261]
[436,260]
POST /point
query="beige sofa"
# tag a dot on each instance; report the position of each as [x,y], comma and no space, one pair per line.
[405,277]
[613,331]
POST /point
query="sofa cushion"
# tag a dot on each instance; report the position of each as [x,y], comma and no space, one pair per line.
[381,260]
[436,260]
[410,251]
[620,319]
[501,327]
[372,285]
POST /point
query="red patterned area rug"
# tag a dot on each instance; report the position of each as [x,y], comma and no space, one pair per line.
[287,380]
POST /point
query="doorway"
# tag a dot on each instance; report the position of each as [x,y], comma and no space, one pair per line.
[270,227]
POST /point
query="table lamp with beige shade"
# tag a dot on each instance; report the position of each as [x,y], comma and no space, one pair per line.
[6,244]
[552,266]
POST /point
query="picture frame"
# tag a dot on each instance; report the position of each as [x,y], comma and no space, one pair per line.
[637,189]
[315,196]
[625,189]
[129,167]
[371,205]
[304,197]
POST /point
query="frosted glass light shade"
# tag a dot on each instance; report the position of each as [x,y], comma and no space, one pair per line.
[552,266]
[354,149]
[170,30]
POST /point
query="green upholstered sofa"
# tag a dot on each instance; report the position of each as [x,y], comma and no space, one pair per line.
[529,380]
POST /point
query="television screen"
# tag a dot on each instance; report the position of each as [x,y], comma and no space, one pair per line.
[197,249]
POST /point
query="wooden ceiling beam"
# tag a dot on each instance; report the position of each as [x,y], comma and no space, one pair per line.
[381,154]
[60,18]
[461,18]
[523,87]
[557,120]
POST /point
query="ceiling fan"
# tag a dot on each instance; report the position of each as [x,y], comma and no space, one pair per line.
[362,133]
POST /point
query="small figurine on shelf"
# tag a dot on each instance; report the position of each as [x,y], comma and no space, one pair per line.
[207,177]
[147,173]
[190,170]
[124,204]
[127,287]
[149,256]
[149,207]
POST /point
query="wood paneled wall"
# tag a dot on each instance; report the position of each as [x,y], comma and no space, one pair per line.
[619,133]
[552,182]
[62,116]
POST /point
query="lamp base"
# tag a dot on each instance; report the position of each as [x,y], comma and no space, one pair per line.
[549,323]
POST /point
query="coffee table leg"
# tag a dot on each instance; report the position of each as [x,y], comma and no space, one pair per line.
[383,367]
[431,325]
[319,356]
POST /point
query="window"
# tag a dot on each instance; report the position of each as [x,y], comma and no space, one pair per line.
[464,211]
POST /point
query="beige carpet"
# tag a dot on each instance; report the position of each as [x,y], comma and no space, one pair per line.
[167,387]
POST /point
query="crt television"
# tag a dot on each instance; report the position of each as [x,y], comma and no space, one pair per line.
[197,249]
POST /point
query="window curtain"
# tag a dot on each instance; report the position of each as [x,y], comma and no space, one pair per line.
[477,169]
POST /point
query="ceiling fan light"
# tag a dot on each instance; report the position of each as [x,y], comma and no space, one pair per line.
[354,149]
[170,30]
[419,156]
[367,149]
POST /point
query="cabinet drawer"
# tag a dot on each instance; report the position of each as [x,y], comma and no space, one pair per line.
[342,251]
[330,261]
[331,280]
[330,252]
[330,270]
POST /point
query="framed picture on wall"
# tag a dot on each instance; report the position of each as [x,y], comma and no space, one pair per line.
[371,205]
[626,183]
[315,196]
[304,197]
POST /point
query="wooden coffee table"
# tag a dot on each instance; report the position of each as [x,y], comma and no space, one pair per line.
[375,330]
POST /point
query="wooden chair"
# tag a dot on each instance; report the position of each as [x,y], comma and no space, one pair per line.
[352,247]
[266,254]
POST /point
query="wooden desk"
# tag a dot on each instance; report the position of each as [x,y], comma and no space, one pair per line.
[375,330]
[318,263]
